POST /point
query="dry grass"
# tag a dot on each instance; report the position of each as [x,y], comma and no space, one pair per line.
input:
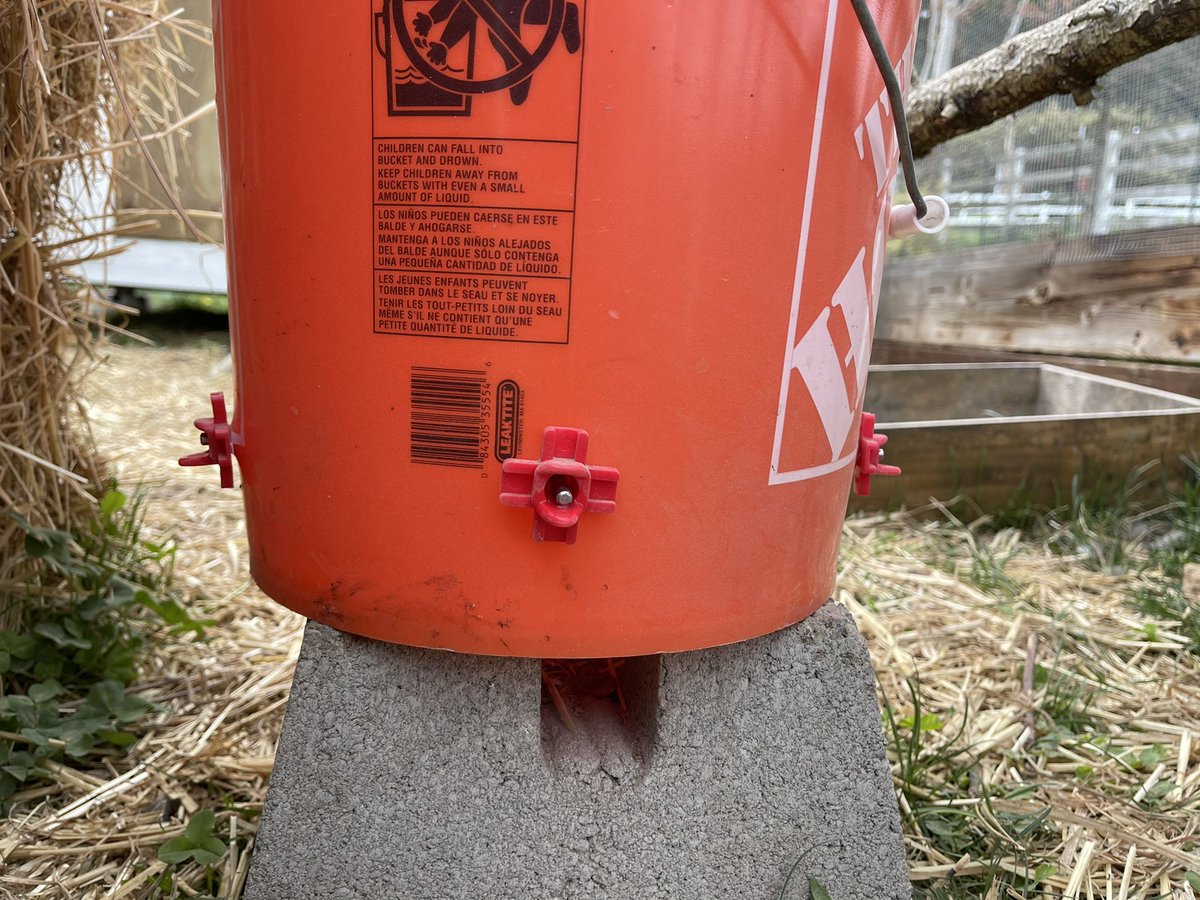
[1059,720]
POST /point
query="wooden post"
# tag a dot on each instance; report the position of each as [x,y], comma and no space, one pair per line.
[1015,189]
[193,158]
[1009,175]
[1105,184]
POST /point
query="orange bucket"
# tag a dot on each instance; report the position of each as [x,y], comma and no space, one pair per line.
[551,318]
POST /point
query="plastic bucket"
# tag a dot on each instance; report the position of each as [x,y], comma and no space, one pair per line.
[454,225]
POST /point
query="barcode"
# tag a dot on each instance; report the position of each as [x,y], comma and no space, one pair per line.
[448,425]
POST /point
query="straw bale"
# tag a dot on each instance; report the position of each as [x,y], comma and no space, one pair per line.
[75,77]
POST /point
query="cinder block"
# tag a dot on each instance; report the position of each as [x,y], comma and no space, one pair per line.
[406,774]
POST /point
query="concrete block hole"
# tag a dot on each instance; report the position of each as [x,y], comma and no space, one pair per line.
[600,715]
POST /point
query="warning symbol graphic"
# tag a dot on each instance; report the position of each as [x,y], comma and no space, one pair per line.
[440,53]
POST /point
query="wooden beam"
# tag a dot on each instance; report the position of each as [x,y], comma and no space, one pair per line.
[1127,296]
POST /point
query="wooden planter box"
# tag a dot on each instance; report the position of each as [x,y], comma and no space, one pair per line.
[1175,378]
[999,432]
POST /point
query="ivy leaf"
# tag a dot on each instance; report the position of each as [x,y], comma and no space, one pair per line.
[20,773]
[22,758]
[52,546]
[91,608]
[80,745]
[121,592]
[36,546]
[131,708]
[19,764]
[84,723]
[176,850]
[44,690]
[120,663]
[1044,871]
[104,695]
[174,614]
[118,738]
[1152,756]
[75,628]
[38,739]
[938,825]
[209,852]
[110,697]
[8,785]
[197,842]
[24,709]
[55,633]
[49,666]
[200,826]
[20,646]
[817,891]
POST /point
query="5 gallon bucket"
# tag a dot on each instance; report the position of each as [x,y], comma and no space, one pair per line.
[551,318]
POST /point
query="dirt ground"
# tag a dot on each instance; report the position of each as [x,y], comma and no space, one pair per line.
[1040,722]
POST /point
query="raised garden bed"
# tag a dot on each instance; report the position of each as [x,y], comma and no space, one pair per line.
[994,432]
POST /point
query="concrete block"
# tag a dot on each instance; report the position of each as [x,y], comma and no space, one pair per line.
[407,774]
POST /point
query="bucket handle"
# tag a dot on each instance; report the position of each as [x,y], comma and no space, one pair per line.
[896,101]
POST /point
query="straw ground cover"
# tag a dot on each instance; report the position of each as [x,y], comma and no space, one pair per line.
[1042,713]
[97,830]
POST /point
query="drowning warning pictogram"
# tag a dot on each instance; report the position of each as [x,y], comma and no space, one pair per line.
[437,60]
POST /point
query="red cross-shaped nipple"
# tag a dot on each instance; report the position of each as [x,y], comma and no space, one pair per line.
[561,486]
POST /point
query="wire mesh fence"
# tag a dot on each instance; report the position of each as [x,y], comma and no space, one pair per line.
[1129,161]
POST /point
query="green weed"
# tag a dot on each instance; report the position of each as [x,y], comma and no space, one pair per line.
[1176,539]
[97,600]
[1110,527]
[946,806]
[197,843]
[1063,712]
[988,571]
[1164,600]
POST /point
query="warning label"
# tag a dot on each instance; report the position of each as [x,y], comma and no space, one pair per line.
[473,235]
